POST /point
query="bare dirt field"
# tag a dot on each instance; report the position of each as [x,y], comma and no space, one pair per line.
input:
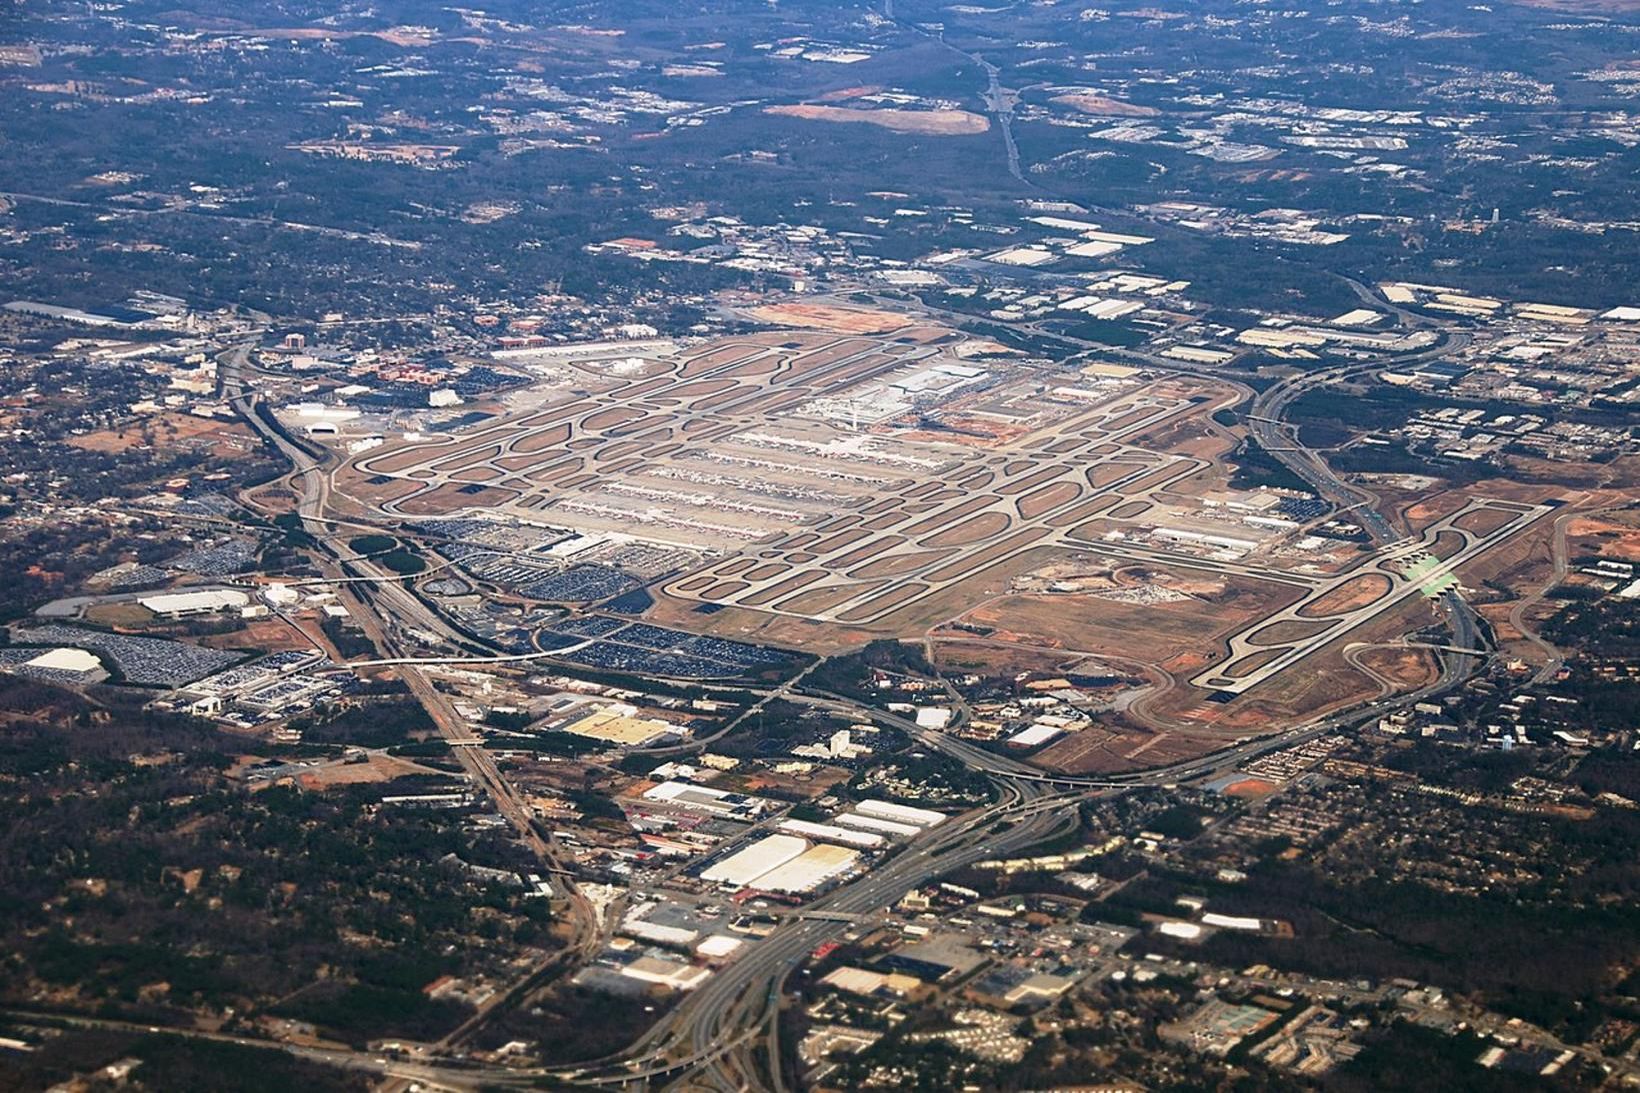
[1613,535]
[219,437]
[1358,593]
[1102,750]
[1250,788]
[809,784]
[1421,513]
[1105,106]
[1406,668]
[841,320]
[934,123]
[267,635]
[1497,616]
[376,768]
[272,498]
[959,653]
[1482,521]
[843,94]
[1106,627]
[122,616]
[451,498]
[1329,681]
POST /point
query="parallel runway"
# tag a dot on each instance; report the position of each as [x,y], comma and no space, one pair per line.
[853,479]
[765,452]
[1402,570]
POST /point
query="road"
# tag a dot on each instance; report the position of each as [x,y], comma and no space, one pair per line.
[725,1034]
[999,100]
[1268,427]
[747,993]
[1553,659]
[310,484]
[1033,805]
[717,1036]
[122,211]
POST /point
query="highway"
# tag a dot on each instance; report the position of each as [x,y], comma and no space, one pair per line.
[717,1037]
[999,101]
[724,1035]
[309,483]
[1031,808]
[1268,427]
[747,993]
[1408,568]
[1559,563]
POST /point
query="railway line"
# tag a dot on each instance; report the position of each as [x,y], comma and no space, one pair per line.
[725,1035]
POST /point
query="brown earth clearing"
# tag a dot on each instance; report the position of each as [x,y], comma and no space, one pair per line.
[1105,106]
[934,123]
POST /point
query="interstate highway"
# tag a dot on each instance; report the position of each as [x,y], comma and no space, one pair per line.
[714,1035]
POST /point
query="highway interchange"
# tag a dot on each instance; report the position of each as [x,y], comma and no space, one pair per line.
[721,1036]
[724,1036]
[886,520]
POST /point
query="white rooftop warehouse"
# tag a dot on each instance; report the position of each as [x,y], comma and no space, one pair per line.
[809,870]
[70,661]
[195,603]
[744,866]
[888,810]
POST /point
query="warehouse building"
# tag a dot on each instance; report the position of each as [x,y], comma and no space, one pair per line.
[809,870]
[874,823]
[176,605]
[904,814]
[666,973]
[715,802]
[744,866]
[865,840]
[63,665]
[621,725]
[870,984]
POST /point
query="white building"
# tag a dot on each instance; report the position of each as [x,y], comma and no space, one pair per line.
[809,870]
[179,604]
[744,866]
[667,973]
[68,664]
[867,840]
[887,810]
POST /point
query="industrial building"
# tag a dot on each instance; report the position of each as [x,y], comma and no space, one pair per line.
[809,870]
[666,973]
[782,863]
[1037,733]
[873,823]
[870,984]
[744,866]
[716,802]
[719,947]
[620,725]
[905,814]
[64,665]
[865,840]
[176,605]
